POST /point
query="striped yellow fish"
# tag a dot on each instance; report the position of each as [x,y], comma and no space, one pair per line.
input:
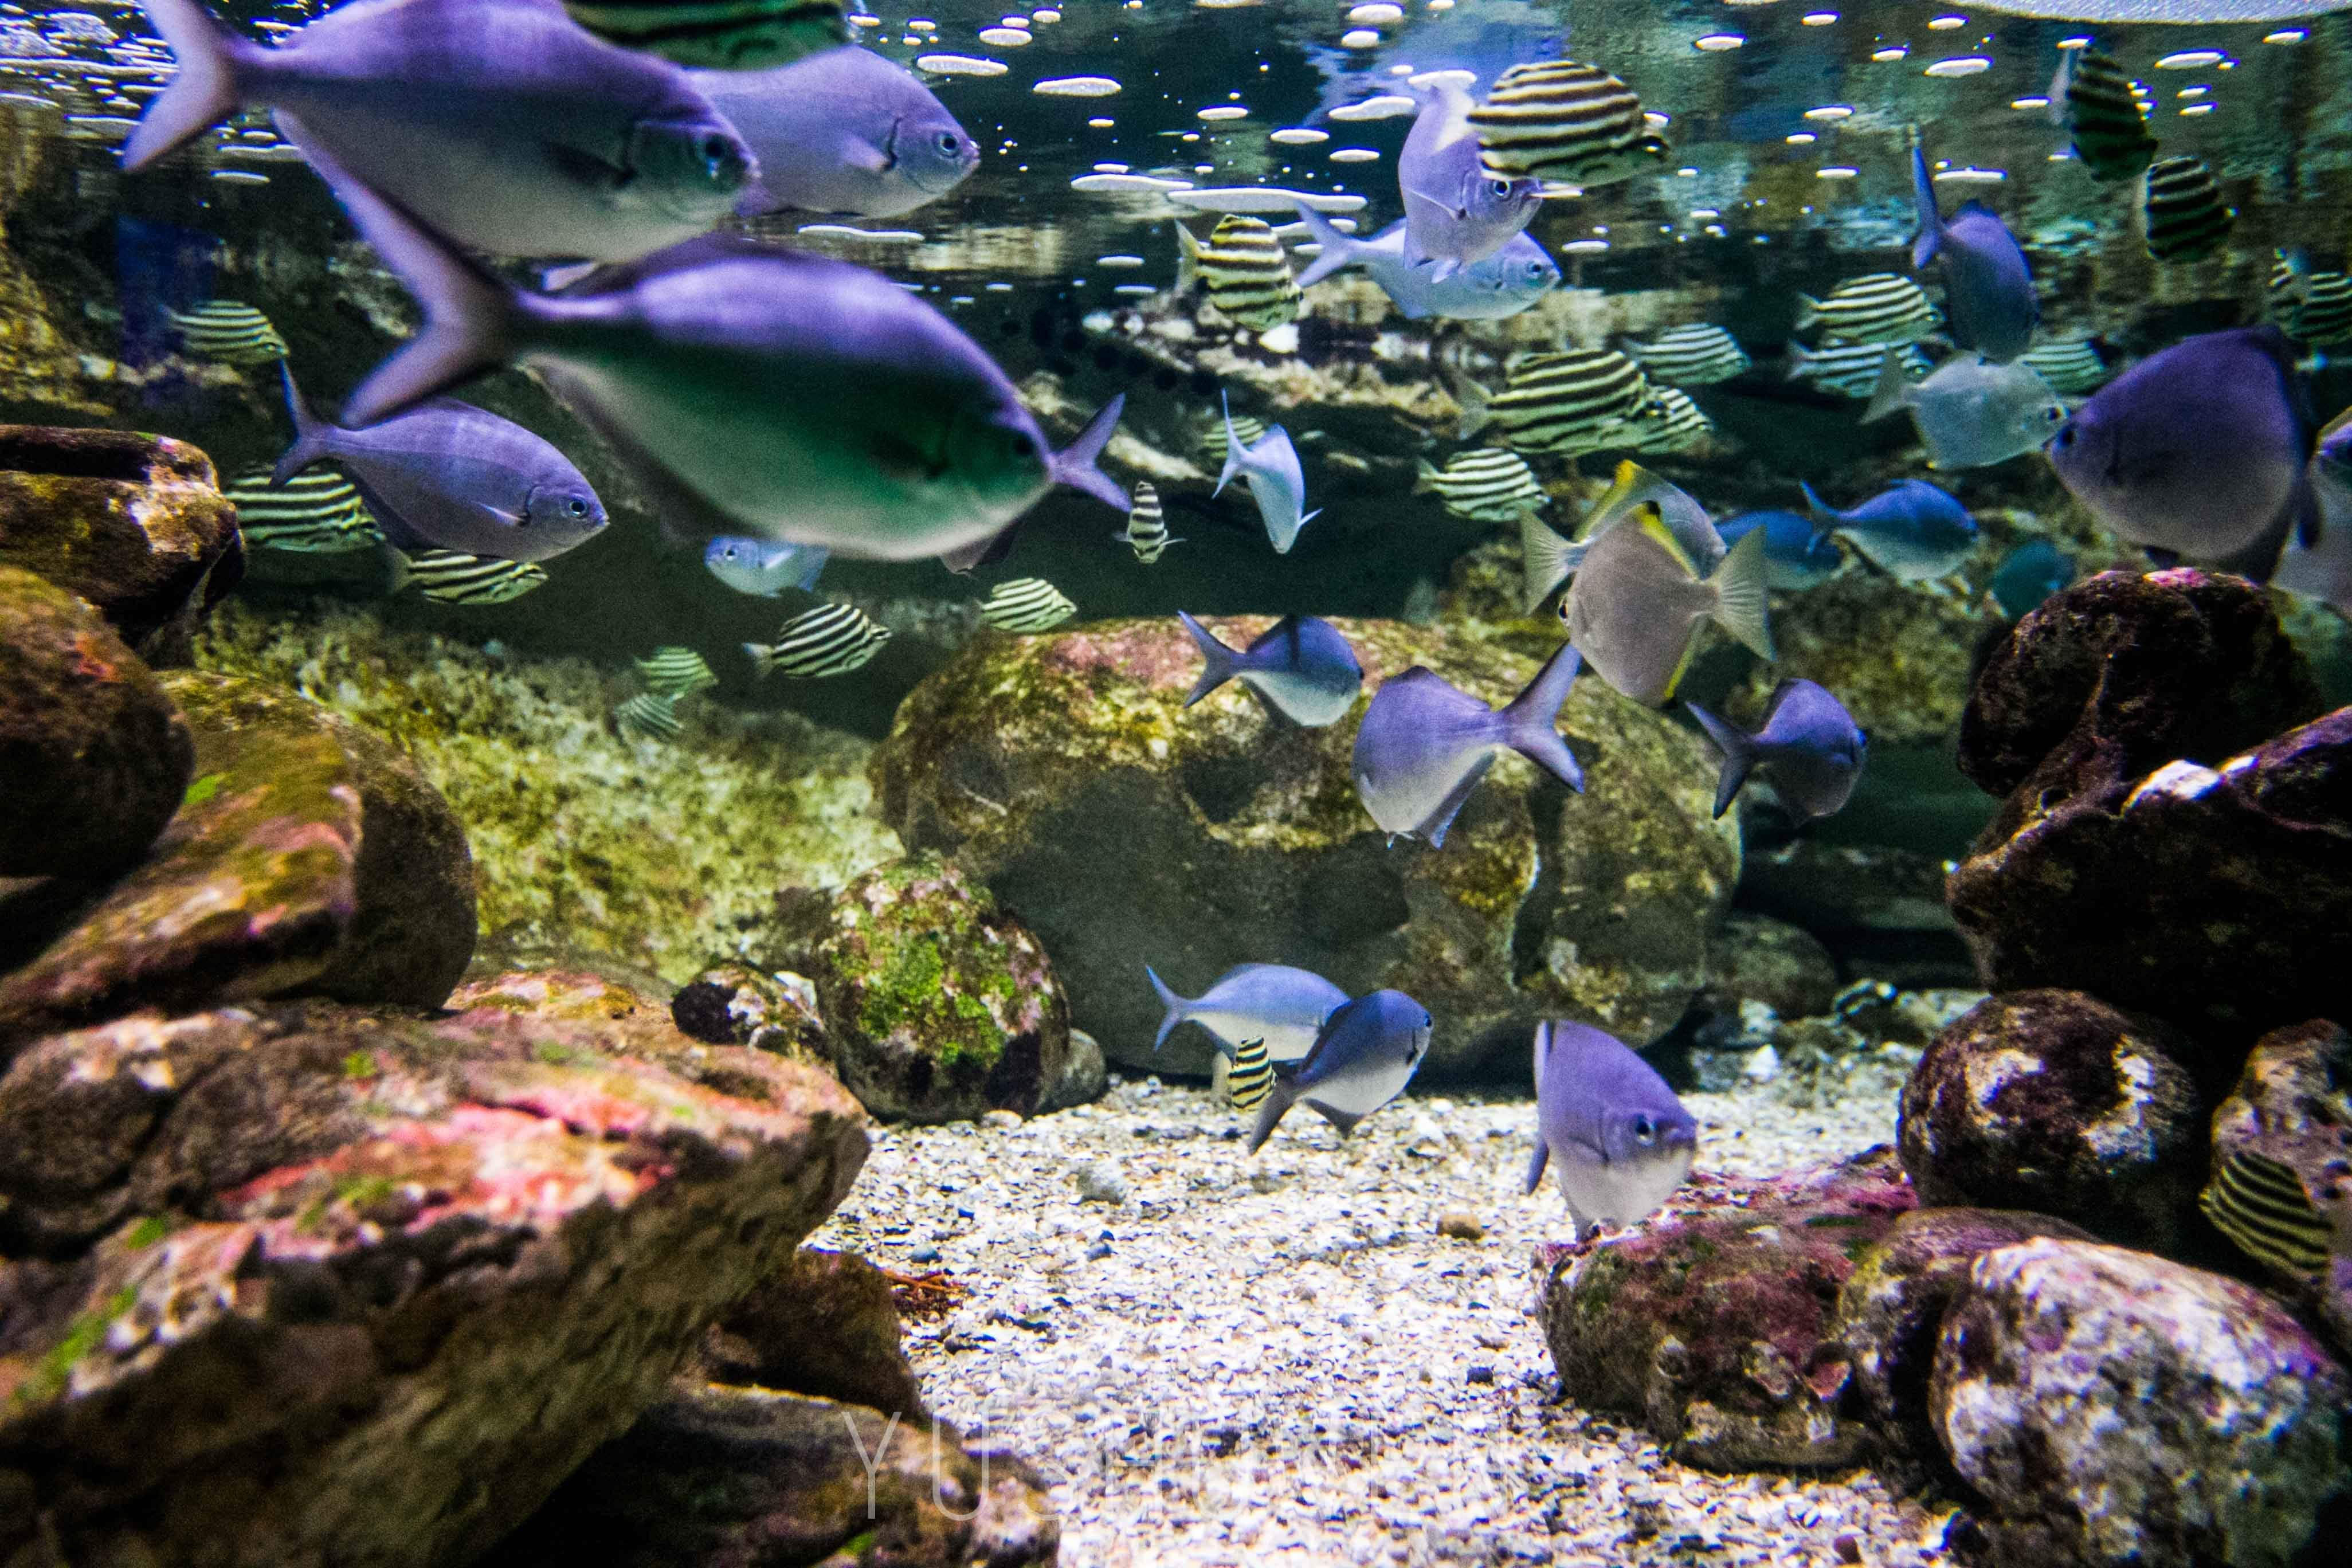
[1245,271]
[2261,1205]
[1251,1076]
[1561,121]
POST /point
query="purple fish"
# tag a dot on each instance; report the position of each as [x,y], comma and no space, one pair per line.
[1614,1136]
[1271,1002]
[1988,287]
[842,131]
[1808,747]
[1455,212]
[1424,744]
[1362,1058]
[1301,666]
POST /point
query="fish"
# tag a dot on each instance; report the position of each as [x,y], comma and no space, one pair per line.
[751,390]
[318,514]
[1640,602]
[1026,604]
[1669,422]
[651,714]
[1875,308]
[1700,354]
[1487,484]
[1244,270]
[1967,412]
[1490,290]
[1852,371]
[724,35]
[2091,99]
[445,475]
[1301,666]
[1546,561]
[2322,304]
[1270,466]
[2199,450]
[832,639]
[1455,211]
[2282,291]
[2185,215]
[228,332]
[1808,747]
[2263,1207]
[1612,1134]
[764,569]
[674,671]
[1565,123]
[2070,366]
[1252,1077]
[1911,531]
[2317,562]
[453,577]
[1564,402]
[1988,287]
[504,127]
[1796,554]
[1362,1059]
[2026,576]
[1214,443]
[1281,1007]
[1147,525]
[1425,743]
[1632,491]
[845,132]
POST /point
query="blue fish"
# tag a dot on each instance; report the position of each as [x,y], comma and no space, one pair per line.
[1501,286]
[1362,1059]
[1796,555]
[762,568]
[1988,287]
[1270,465]
[2027,575]
[1302,667]
[1424,744]
[1808,747]
[1613,1135]
[1455,212]
[1283,1006]
[1910,531]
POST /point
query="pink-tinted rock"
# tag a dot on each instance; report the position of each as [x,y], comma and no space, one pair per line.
[824,1324]
[2293,1107]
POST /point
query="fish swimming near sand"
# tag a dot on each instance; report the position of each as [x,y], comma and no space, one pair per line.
[1362,1058]
[1609,1129]
[1281,1007]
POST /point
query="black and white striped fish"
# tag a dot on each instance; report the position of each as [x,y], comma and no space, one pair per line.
[457,579]
[832,639]
[1026,604]
[653,714]
[1851,370]
[228,332]
[1670,422]
[2317,305]
[1875,308]
[673,671]
[724,34]
[1699,354]
[1245,269]
[2070,365]
[1487,484]
[1568,402]
[1250,1078]
[1147,525]
[2186,218]
[2261,1205]
[1567,124]
[316,512]
[2092,99]
[2284,289]
[1251,431]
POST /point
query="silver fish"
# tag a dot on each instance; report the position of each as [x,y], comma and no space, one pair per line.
[1363,1058]
[842,131]
[1640,602]
[1455,212]
[1969,413]
[1270,466]
[1611,1131]
[1425,743]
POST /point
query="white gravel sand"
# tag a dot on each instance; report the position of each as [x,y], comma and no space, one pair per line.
[1222,1359]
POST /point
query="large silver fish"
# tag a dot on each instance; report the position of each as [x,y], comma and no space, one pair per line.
[1425,743]
[1455,212]
[1970,414]
[1363,1058]
[842,131]
[1612,1132]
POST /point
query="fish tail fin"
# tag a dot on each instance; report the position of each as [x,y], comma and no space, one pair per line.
[203,93]
[817,559]
[1477,409]
[1233,447]
[1738,749]
[1547,560]
[1074,464]
[310,432]
[1931,220]
[1425,476]
[1529,722]
[398,570]
[1889,392]
[763,659]
[1741,604]
[1278,1099]
[1809,314]
[1188,259]
[1824,516]
[1220,663]
[1338,249]
[1177,1007]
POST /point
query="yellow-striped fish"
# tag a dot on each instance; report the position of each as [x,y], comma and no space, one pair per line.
[2185,217]
[1251,431]
[2092,99]
[676,672]
[1876,307]
[1026,604]
[2261,1205]
[1487,484]
[1669,422]
[1252,1077]
[228,332]
[1568,403]
[452,578]
[1245,271]
[651,714]
[1561,122]
[1147,525]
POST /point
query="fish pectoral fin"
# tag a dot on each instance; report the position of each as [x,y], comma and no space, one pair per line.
[1537,1162]
[1443,208]
[857,153]
[587,168]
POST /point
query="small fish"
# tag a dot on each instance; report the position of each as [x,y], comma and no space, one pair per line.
[1252,1077]
[1640,602]
[2282,291]
[1911,531]
[1988,287]
[1853,371]
[1455,211]
[2317,561]
[1363,1058]
[726,34]
[1270,466]
[2262,1205]
[675,672]
[1425,743]
[318,514]
[1147,525]
[1611,1131]
[1808,747]
[762,568]
[1301,666]
[1699,354]
[1970,414]
[845,132]
[227,333]
[1026,604]
[1213,444]
[1670,422]
[832,639]
[1244,270]
[651,714]
[1488,484]
[2027,575]
[1796,554]
[452,577]
[1499,286]
[1563,403]
[1562,123]
[1876,307]
[2186,218]
[2070,365]
[2091,99]
[1281,1006]
[2322,304]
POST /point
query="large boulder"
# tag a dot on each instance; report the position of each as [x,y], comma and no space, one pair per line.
[2292,1108]
[1065,772]
[826,1324]
[1895,653]
[94,755]
[2112,1408]
[306,1282]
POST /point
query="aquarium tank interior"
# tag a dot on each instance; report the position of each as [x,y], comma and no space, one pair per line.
[1175,783]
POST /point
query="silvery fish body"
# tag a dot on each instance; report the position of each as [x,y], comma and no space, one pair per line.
[842,131]
[1492,289]
[1425,743]
[1274,1002]
[764,569]
[1808,747]
[1988,287]
[1796,555]
[1640,602]
[1970,414]
[1611,1131]
[1270,465]
[2317,561]
[1911,530]
[1302,667]
[1455,212]
[1362,1058]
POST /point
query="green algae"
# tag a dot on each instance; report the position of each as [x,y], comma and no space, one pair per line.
[201,790]
[148,1231]
[82,1336]
[360,1065]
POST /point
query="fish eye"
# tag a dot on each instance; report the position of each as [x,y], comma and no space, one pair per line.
[576,507]
[718,153]
[1645,1130]
[948,142]
[1022,447]
[1500,187]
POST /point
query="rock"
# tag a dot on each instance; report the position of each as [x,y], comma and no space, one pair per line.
[1713,1326]
[938,1003]
[824,1324]
[135,524]
[1084,1075]
[1755,958]
[1879,909]
[308,856]
[738,1477]
[1064,771]
[304,1282]
[2056,1103]
[1098,1181]
[94,755]
[734,1004]
[1893,1305]
[2293,1105]
[2115,1408]
[1461,1224]
[1896,654]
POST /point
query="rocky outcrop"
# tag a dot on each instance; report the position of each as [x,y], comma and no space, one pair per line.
[826,1325]
[2292,1109]
[1762,960]
[735,1004]
[1065,773]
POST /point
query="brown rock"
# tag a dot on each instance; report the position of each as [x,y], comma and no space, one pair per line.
[1755,958]
[824,1324]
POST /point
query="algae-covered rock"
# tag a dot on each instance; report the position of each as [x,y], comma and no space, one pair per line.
[94,755]
[736,1004]
[2292,1108]
[1895,653]
[823,1324]
[1067,773]
[1759,959]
